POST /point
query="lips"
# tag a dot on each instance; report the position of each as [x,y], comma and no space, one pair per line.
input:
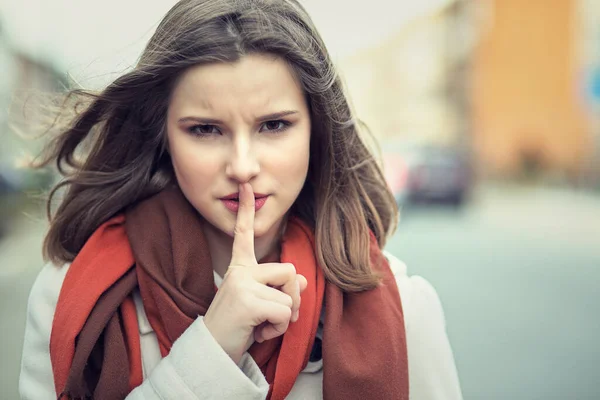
[232,203]
[236,196]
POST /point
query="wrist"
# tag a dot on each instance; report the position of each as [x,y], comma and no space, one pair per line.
[236,356]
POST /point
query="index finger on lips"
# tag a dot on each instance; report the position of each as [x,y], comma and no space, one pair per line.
[243,234]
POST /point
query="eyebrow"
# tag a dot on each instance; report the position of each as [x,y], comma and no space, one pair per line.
[213,121]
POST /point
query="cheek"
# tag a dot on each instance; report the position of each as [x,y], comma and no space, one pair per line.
[298,164]
[301,153]
[193,165]
[291,165]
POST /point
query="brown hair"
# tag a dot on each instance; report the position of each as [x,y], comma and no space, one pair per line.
[120,135]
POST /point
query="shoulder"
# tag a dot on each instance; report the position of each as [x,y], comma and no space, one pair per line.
[42,301]
[36,379]
[420,300]
[46,287]
[432,370]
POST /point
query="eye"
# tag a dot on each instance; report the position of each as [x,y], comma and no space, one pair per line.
[275,126]
[203,130]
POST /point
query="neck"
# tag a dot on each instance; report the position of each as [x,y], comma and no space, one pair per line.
[220,245]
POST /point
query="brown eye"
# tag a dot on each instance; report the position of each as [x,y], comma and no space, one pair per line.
[203,130]
[274,126]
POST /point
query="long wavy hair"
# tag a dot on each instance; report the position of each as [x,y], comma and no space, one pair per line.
[112,153]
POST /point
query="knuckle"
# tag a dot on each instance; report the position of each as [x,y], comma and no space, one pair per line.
[234,278]
[289,302]
[232,273]
[240,229]
[290,269]
[281,328]
[287,313]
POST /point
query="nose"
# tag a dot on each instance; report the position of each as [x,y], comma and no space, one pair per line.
[243,164]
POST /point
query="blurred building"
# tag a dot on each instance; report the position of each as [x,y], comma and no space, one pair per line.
[413,86]
[24,81]
[589,53]
[517,82]
[528,107]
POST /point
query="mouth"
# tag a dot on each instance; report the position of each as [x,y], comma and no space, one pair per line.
[232,201]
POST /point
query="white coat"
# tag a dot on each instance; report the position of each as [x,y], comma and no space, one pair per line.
[198,368]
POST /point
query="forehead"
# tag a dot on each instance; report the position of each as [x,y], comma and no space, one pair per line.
[255,80]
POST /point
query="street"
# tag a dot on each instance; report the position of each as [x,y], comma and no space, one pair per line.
[517,270]
[518,274]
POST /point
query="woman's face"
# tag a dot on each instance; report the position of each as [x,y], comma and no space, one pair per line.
[231,123]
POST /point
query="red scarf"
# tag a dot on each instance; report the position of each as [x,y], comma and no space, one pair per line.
[159,247]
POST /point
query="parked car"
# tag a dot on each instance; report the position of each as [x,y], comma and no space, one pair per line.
[20,180]
[6,189]
[15,186]
[5,186]
[429,173]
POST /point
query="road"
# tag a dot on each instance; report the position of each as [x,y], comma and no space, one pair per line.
[518,272]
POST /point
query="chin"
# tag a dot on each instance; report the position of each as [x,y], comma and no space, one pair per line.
[261,228]
[225,222]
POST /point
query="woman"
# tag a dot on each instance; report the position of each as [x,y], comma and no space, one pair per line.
[221,230]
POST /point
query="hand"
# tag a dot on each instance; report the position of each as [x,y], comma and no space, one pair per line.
[255,302]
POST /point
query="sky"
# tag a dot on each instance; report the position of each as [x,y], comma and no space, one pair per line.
[96,40]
